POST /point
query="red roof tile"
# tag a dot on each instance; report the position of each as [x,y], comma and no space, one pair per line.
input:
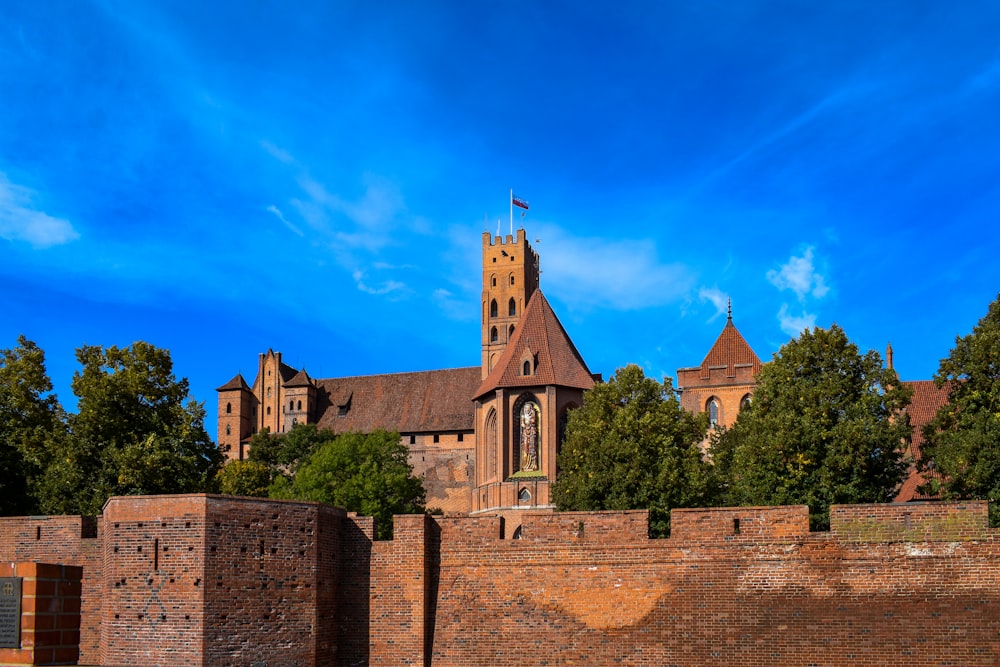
[421,402]
[555,360]
[300,379]
[927,399]
[236,383]
[731,350]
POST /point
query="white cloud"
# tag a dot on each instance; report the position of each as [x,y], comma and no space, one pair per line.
[385,287]
[800,276]
[278,153]
[277,212]
[21,221]
[793,325]
[717,297]
[618,273]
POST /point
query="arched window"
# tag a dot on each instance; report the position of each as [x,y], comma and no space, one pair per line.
[745,402]
[228,430]
[493,308]
[493,280]
[291,405]
[491,444]
[229,408]
[511,307]
[714,410]
[523,497]
[299,406]
[527,368]
[493,335]
[512,279]
[269,409]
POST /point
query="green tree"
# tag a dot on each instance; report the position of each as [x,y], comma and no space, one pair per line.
[364,473]
[825,426]
[963,440]
[30,420]
[133,434]
[632,446]
[244,478]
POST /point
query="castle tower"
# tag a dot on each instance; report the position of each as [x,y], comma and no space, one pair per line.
[510,277]
[237,417]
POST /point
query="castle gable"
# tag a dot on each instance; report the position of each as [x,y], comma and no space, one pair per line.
[541,343]
[730,351]
[236,384]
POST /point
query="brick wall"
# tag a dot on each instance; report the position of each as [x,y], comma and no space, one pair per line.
[50,614]
[211,580]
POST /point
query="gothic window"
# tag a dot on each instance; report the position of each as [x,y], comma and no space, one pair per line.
[291,405]
[527,368]
[229,408]
[299,405]
[714,409]
[269,409]
[491,444]
[511,307]
[745,402]
[524,496]
[493,308]
[493,335]
[512,279]
[494,281]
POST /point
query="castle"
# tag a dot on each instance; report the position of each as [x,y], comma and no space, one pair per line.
[487,438]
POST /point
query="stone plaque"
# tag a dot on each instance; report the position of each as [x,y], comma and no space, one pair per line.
[10,612]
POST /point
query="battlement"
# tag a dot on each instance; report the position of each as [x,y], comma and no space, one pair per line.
[519,237]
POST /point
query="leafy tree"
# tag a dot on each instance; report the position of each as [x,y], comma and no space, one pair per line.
[133,434]
[963,440]
[30,419]
[632,446]
[244,478]
[283,453]
[825,426]
[364,473]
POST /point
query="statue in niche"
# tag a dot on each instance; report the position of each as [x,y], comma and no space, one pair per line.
[529,437]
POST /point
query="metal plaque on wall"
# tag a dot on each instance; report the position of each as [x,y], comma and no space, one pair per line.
[10,612]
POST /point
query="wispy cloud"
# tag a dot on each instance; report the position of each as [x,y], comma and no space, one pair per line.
[20,219]
[717,297]
[277,212]
[799,275]
[385,287]
[623,274]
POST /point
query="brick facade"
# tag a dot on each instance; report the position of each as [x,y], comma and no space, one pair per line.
[217,581]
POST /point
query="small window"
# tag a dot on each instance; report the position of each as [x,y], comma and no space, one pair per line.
[299,405]
[229,408]
[527,368]
[524,496]
[713,408]
[512,279]
[493,308]
[295,420]
[228,430]
[269,392]
[413,439]
[269,409]
[291,405]
[493,335]
[461,437]
[511,307]
[745,402]
[437,438]
[494,279]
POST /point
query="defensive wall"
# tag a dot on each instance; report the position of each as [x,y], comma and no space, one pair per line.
[212,580]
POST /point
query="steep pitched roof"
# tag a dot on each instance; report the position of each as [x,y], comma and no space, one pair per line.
[236,383]
[300,379]
[730,350]
[421,402]
[927,399]
[555,360]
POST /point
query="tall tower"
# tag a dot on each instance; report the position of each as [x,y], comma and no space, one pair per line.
[510,277]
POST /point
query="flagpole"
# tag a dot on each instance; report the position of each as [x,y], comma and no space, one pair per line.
[512,211]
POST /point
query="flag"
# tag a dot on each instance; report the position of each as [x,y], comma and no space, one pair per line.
[520,203]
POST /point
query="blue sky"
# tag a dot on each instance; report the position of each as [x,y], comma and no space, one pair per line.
[220,178]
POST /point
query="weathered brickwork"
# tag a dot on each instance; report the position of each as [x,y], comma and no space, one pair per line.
[50,614]
[216,581]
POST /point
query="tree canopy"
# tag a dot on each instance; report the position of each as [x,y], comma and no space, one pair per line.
[825,426]
[365,473]
[963,439]
[632,446]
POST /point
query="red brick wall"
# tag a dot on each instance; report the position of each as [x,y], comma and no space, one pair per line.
[50,614]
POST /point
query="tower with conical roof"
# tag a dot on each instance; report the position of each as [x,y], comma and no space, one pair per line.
[724,382]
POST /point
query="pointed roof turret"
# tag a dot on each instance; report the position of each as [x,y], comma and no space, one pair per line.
[730,350]
[540,339]
[236,383]
[300,379]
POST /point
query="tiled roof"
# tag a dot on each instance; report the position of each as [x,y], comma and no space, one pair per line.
[300,379]
[927,399]
[286,372]
[555,360]
[236,383]
[730,350]
[422,402]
